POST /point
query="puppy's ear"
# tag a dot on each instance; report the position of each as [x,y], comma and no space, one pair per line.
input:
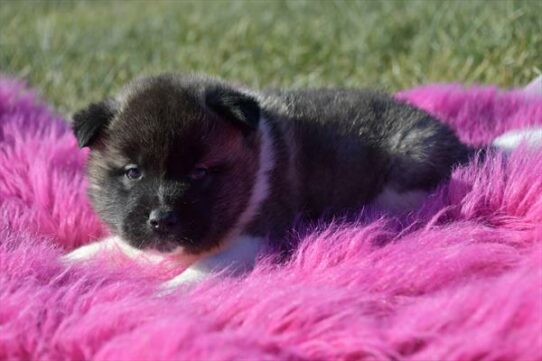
[240,109]
[88,123]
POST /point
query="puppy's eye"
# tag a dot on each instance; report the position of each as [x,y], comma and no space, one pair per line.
[132,172]
[198,173]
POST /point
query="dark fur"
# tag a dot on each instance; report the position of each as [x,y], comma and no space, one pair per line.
[334,150]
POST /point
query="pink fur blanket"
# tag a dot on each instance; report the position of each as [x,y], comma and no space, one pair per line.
[459,280]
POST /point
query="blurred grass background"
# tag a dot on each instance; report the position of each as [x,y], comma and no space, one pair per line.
[77,51]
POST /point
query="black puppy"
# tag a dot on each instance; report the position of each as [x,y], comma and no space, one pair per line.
[195,165]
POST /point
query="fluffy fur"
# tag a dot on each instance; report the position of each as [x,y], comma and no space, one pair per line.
[459,280]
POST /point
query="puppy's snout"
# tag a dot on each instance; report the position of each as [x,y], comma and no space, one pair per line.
[163,221]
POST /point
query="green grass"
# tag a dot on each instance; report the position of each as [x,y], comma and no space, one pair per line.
[76,51]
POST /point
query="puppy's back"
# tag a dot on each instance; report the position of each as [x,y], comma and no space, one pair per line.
[352,144]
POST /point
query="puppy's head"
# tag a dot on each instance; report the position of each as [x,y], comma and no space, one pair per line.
[173,160]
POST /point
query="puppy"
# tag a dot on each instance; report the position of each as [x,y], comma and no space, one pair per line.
[210,170]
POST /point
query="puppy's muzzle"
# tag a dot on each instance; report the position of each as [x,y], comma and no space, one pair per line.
[163,221]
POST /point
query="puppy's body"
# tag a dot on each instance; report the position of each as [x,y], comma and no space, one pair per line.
[339,149]
[230,167]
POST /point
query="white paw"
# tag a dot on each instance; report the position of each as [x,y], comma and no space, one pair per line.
[110,245]
[89,251]
[237,258]
[189,278]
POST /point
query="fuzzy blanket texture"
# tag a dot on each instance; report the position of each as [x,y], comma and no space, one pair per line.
[461,279]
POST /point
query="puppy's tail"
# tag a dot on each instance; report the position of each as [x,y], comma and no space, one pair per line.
[508,141]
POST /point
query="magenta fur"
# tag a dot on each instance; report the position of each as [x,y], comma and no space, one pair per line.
[461,279]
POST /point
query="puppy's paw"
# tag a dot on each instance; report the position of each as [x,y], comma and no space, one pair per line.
[186,280]
[87,252]
[236,259]
[111,246]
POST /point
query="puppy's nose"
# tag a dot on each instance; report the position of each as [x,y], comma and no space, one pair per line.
[163,220]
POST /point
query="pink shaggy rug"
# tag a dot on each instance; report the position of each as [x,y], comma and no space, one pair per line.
[459,280]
